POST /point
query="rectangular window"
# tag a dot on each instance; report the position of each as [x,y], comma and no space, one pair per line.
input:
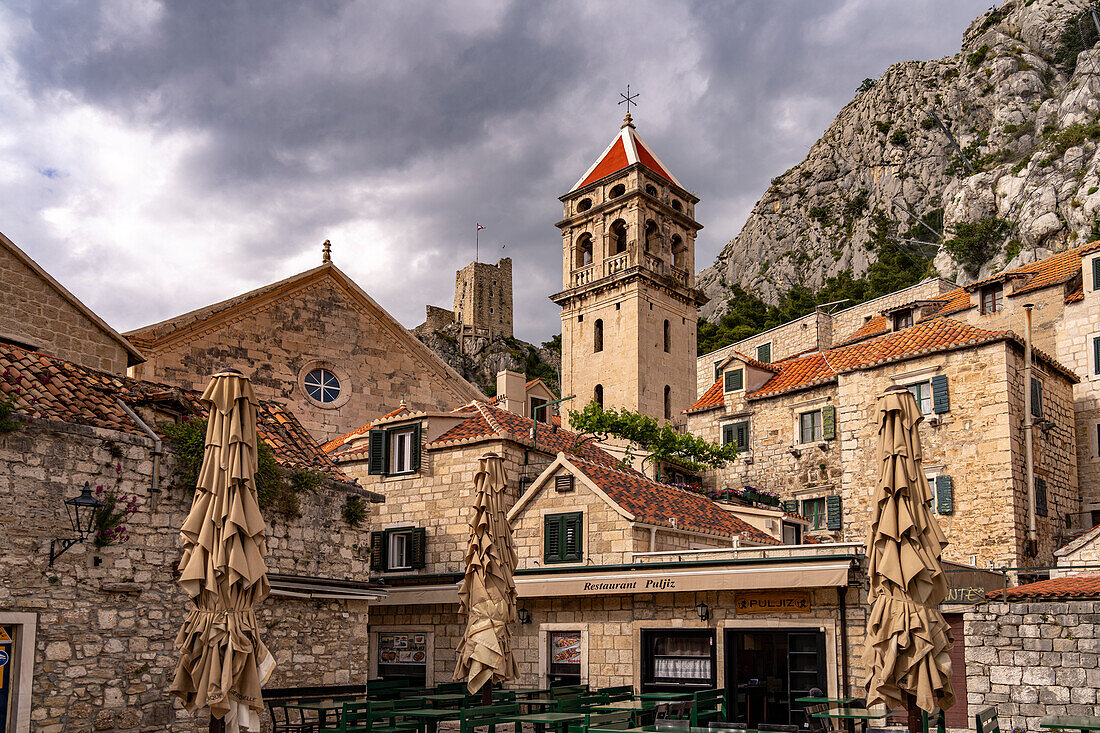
[541,415]
[717,370]
[736,434]
[992,299]
[1096,273]
[814,510]
[792,534]
[1096,353]
[923,392]
[398,551]
[401,450]
[764,353]
[562,537]
[809,427]
[735,380]
[903,319]
[1036,398]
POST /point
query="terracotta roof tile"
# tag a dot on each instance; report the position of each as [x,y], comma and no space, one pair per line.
[713,397]
[749,360]
[335,443]
[873,327]
[816,368]
[47,388]
[656,503]
[625,150]
[953,301]
[1073,586]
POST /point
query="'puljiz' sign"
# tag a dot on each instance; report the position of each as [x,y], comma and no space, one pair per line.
[784,601]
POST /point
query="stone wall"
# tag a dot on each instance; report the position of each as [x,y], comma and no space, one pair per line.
[1033,659]
[979,443]
[846,322]
[107,618]
[317,325]
[483,296]
[439,497]
[1078,326]
[35,314]
[769,462]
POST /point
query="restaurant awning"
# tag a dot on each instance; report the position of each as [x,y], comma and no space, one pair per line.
[305,588]
[587,581]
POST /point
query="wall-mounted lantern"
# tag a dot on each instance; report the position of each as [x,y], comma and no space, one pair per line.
[81,510]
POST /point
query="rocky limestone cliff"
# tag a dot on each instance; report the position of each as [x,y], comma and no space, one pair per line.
[482,358]
[1027,120]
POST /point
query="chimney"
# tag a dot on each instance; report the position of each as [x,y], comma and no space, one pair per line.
[512,391]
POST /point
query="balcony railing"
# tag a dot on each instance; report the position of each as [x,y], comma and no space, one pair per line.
[680,276]
[584,275]
[832,549]
[616,263]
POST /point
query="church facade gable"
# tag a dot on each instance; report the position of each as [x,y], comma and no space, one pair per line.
[41,315]
[316,342]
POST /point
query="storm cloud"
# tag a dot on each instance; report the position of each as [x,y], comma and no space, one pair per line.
[155,157]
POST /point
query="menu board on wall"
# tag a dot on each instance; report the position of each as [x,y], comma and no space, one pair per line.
[565,647]
[402,649]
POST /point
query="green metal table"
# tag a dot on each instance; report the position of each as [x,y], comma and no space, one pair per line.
[1082,723]
[560,721]
[431,716]
[322,708]
[444,699]
[856,714]
[843,701]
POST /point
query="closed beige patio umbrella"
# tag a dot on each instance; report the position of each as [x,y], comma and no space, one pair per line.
[488,593]
[222,661]
[908,641]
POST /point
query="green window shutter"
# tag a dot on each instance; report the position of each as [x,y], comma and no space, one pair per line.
[414,460]
[1036,398]
[1040,497]
[945,495]
[764,353]
[572,537]
[1096,353]
[551,538]
[941,403]
[728,437]
[735,380]
[741,434]
[1096,273]
[828,422]
[832,512]
[376,465]
[717,370]
[418,549]
[378,551]
[789,506]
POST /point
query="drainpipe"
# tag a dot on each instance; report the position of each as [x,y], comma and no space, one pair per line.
[158,450]
[842,594]
[1029,425]
[652,539]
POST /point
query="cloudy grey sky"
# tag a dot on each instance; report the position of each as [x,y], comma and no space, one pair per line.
[140,141]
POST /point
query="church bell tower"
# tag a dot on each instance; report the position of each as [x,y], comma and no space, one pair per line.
[628,304]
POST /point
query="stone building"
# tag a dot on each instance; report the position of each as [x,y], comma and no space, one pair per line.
[482,307]
[1034,651]
[805,427]
[613,565]
[315,341]
[629,299]
[92,632]
[39,314]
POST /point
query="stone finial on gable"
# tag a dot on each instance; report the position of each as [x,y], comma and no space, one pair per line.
[326,252]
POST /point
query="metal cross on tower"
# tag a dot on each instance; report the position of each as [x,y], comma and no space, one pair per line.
[628,99]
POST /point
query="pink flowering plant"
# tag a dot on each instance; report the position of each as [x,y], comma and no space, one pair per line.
[110,519]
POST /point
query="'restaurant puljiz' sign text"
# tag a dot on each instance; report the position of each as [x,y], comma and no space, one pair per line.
[781,601]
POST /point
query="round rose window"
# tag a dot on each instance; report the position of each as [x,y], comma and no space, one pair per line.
[322,385]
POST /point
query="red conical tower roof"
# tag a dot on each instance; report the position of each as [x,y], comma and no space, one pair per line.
[625,150]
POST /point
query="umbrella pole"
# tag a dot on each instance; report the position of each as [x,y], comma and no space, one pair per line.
[487,693]
[217,725]
[914,714]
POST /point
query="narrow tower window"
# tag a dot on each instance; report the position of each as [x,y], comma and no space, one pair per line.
[584,250]
[650,236]
[668,402]
[668,337]
[597,395]
[597,336]
[618,237]
[651,189]
[679,252]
